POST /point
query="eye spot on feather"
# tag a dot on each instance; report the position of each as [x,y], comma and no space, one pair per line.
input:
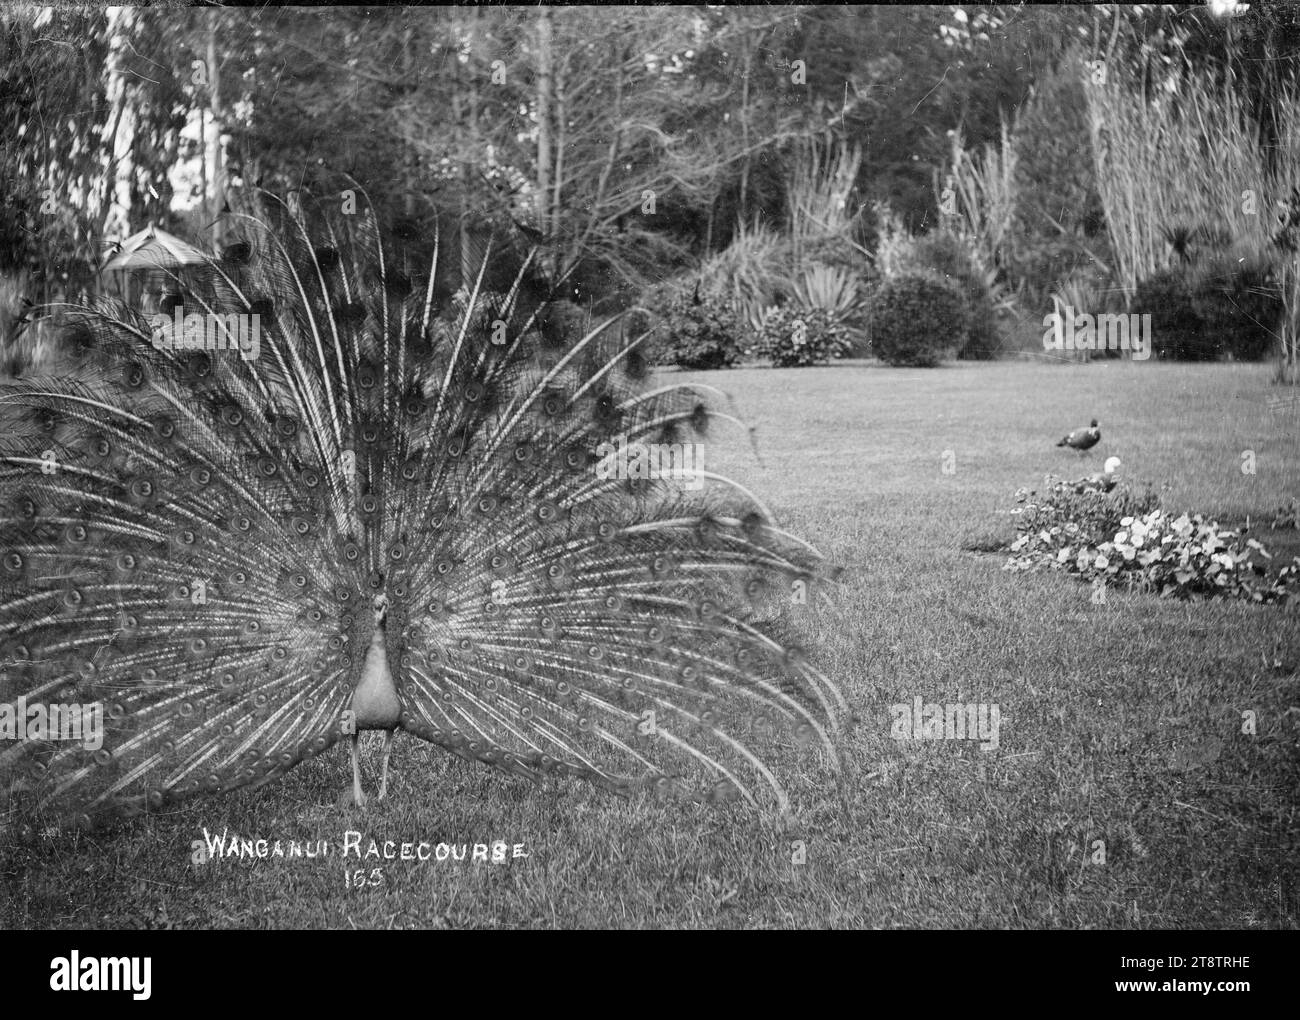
[237,254]
[351,314]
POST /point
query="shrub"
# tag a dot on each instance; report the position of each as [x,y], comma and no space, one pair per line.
[700,331]
[748,274]
[1040,262]
[1177,331]
[792,336]
[1210,306]
[1121,537]
[917,319]
[1085,290]
[948,256]
[836,253]
[1239,304]
[1288,515]
[831,289]
[840,292]
[1066,514]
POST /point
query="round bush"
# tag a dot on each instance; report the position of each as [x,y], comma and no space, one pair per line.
[793,337]
[1177,331]
[701,332]
[1239,303]
[917,319]
[946,255]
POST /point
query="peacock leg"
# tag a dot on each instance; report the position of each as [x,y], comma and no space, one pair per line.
[358,794]
[383,775]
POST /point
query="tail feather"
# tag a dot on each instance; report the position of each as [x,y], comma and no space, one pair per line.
[197,540]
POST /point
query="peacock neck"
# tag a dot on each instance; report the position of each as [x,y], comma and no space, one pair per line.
[375,704]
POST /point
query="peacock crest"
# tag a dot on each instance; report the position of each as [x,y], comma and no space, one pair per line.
[312,493]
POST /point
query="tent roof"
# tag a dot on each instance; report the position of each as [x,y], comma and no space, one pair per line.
[153,248]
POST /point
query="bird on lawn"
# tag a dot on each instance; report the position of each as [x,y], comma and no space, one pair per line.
[1082,439]
[400,513]
[1104,481]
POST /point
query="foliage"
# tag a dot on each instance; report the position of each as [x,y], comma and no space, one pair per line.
[1177,332]
[1060,224]
[1125,538]
[1160,162]
[92,100]
[700,331]
[819,196]
[794,336]
[952,257]
[1083,291]
[977,206]
[830,289]
[1202,310]
[893,240]
[1239,301]
[1288,515]
[917,319]
[1081,513]
[749,274]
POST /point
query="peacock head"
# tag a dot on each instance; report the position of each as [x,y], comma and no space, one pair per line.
[1112,465]
[1094,424]
[381,605]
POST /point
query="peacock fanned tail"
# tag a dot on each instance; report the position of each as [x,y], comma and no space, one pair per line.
[195,540]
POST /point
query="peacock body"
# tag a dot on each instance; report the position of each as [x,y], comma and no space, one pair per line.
[387,511]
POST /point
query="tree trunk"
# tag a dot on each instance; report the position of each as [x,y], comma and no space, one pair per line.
[214,105]
[552,229]
[744,129]
[1288,367]
[545,95]
[408,150]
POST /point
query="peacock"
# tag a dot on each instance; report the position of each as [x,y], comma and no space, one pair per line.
[319,491]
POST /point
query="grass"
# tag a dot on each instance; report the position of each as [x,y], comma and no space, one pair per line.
[1121,722]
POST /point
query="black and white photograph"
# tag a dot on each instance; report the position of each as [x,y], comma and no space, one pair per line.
[682,467]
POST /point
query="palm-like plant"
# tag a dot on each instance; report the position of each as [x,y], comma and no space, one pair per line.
[746,274]
[831,288]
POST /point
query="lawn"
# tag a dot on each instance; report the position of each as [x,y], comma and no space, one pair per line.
[1123,794]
